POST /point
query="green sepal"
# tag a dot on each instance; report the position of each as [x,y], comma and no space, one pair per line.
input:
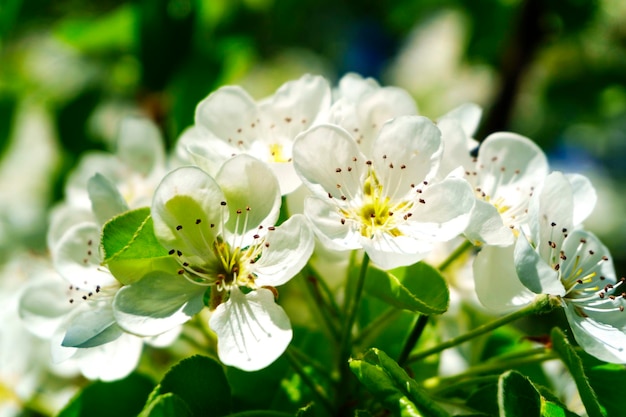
[95,400]
[419,288]
[200,383]
[575,366]
[131,249]
[391,385]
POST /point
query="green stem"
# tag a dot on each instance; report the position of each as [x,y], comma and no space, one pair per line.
[422,320]
[319,303]
[377,325]
[492,367]
[315,388]
[308,361]
[540,305]
[346,383]
[352,307]
[411,341]
[460,250]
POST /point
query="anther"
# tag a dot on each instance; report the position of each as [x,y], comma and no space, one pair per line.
[223,203]
[552,224]
[179,253]
[198,221]
[271,228]
[179,227]
[181,271]
[337,169]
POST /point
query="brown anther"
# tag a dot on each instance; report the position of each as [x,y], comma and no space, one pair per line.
[179,227]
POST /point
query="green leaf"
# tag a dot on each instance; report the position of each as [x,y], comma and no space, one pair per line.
[551,409]
[391,385]
[130,247]
[199,382]
[167,405]
[608,380]
[517,397]
[485,399]
[120,398]
[419,287]
[575,366]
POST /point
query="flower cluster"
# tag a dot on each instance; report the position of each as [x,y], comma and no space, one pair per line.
[144,243]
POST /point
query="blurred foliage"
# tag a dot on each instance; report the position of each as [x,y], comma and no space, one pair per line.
[552,70]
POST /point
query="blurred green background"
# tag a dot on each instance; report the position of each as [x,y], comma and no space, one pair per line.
[553,70]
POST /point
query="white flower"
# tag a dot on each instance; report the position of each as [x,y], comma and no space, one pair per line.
[566,201]
[362,107]
[384,203]
[105,184]
[504,175]
[221,233]
[555,257]
[76,312]
[457,127]
[230,122]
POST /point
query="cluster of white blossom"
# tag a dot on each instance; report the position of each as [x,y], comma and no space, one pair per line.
[379,178]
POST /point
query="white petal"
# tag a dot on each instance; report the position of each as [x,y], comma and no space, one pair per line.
[106,200]
[468,115]
[290,247]
[445,212]
[410,141]
[327,225]
[229,114]
[585,197]
[185,196]
[513,152]
[353,86]
[602,340]
[197,147]
[252,330]
[62,218]
[249,183]
[509,167]
[140,145]
[553,206]
[112,361]
[457,147]
[389,252]
[497,285]
[78,260]
[288,178]
[486,226]
[296,106]
[376,108]
[43,305]
[157,303]
[534,272]
[322,151]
